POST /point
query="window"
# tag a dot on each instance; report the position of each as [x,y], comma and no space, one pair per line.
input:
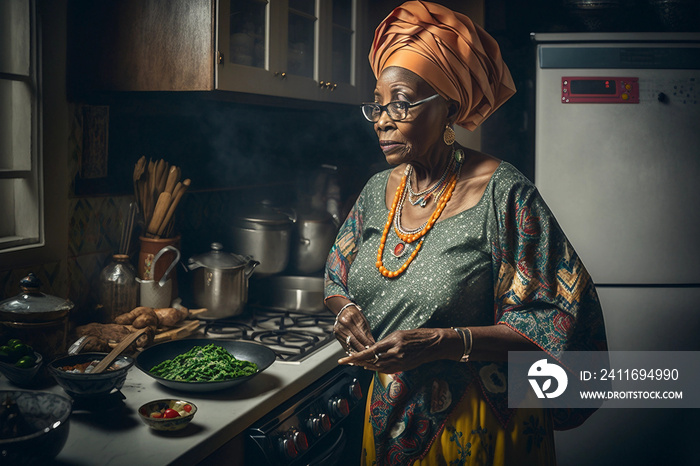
[20,151]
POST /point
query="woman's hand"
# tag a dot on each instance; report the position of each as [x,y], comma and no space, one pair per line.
[403,350]
[352,330]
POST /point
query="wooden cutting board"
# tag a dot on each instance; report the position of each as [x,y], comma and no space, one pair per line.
[183,329]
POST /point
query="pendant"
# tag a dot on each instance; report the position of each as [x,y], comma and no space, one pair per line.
[422,201]
[399,250]
[459,156]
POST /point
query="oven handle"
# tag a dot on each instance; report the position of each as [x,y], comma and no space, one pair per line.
[324,457]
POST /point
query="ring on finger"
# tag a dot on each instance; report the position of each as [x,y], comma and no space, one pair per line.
[347,341]
[376,358]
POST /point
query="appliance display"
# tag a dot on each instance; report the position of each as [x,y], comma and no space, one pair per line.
[616,159]
[586,89]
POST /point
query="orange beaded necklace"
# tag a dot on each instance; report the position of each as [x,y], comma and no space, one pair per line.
[410,238]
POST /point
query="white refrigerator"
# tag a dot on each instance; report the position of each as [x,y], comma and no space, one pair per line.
[617,158]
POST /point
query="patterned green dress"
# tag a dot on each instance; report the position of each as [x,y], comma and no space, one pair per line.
[504,261]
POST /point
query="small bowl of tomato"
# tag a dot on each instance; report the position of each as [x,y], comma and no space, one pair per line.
[167,415]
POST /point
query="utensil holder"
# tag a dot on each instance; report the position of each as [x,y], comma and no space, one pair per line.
[149,248]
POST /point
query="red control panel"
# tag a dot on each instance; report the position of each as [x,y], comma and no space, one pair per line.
[602,90]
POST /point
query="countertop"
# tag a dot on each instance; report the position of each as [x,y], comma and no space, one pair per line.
[121,438]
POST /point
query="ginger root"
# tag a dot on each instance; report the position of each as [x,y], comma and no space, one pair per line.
[129,317]
[102,334]
[141,317]
[170,317]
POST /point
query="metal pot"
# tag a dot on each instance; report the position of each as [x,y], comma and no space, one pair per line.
[264,233]
[316,231]
[289,293]
[220,282]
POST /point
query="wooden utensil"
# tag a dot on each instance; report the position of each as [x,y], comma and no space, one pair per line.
[178,332]
[172,180]
[109,359]
[177,195]
[159,213]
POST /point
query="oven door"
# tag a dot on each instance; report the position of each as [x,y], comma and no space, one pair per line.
[322,425]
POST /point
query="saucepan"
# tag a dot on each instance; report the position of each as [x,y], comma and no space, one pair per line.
[289,292]
[220,282]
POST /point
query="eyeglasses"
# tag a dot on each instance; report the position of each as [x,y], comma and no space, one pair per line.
[397,110]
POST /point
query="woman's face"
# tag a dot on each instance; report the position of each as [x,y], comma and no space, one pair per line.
[418,138]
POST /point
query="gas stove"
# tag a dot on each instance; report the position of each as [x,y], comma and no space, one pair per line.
[292,335]
[322,424]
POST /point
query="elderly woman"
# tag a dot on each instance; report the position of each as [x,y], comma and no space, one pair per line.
[450,260]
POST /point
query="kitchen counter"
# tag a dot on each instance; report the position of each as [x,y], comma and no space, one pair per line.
[121,438]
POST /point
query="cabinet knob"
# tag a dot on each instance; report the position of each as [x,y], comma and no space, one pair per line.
[282,74]
[219,57]
[322,84]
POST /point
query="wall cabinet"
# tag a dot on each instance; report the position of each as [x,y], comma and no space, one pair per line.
[303,49]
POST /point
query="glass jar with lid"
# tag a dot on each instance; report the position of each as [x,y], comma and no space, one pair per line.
[118,288]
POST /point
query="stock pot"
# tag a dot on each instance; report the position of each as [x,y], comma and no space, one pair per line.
[264,232]
[315,234]
[220,282]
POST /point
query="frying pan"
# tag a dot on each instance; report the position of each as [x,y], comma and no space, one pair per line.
[260,355]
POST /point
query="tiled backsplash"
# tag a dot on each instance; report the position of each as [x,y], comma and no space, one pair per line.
[95,222]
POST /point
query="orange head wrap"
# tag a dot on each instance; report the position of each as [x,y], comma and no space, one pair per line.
[455,56]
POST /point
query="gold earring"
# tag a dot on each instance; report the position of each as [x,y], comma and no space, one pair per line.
[448,136]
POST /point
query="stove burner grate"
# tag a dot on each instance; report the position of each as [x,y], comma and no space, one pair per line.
[292,335]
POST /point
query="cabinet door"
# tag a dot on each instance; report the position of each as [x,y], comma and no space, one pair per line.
[140,45]
[254,42]
[303,49]
[340,50]
[245,31]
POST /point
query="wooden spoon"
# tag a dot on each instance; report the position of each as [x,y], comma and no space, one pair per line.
[109,359]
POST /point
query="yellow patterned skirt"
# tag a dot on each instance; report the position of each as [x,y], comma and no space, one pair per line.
[473,436]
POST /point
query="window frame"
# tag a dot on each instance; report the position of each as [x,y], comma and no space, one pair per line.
[28,233]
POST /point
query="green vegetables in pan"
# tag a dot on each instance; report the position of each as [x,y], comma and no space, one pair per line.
[208,363]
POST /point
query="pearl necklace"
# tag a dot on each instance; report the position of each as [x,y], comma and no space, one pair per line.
[400,193]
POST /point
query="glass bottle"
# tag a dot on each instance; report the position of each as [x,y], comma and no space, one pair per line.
[118,288]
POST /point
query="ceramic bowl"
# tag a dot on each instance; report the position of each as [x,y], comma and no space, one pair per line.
[167,424]
[86,384]
[19,376]
[46,430]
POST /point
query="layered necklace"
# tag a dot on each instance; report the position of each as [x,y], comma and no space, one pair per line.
[421,198]
[445,187]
